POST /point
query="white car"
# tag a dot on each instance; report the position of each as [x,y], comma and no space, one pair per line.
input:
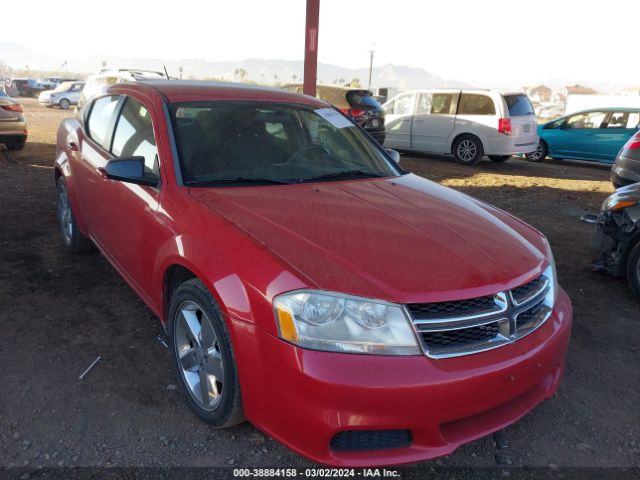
[63,96]
[465,123]
[98,83]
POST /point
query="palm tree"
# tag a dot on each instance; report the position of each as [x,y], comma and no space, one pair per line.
[180,70]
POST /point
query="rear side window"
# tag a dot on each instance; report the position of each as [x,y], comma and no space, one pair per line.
[519,105]
[441,103]
[362,100]
[100,119]
[134,136]
[473,104]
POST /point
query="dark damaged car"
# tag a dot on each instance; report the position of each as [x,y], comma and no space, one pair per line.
[616,235]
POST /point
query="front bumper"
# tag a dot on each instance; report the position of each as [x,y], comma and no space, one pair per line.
[612,237]
[303,398]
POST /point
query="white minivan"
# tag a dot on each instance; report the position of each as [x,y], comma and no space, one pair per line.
[465,123]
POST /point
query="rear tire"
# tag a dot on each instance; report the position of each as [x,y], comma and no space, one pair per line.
[499,158]
[633,269]
[540,153]
[64,104]
[75,241]
[14,146]
[467,149]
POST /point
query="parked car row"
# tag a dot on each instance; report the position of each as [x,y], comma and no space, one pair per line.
[285,251]
[29,87]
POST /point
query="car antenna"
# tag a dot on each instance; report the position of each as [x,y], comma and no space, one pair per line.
[165,72]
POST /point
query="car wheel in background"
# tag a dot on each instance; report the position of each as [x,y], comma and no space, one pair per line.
[468,150]
[64,104]
[15,145]
[633,269]
[203,356]
[75,241]
[539,153]
[499,158]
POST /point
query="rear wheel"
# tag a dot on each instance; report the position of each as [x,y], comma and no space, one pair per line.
[540,153]
[64,104]
[203,356]
[468,150]
[19,145]
[75,241]
[499,158]
[633,269]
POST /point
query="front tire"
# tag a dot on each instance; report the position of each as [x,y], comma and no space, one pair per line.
[633,269]
[499,158]
[75,241]
[468,150]
[15,146]
[203,356]
[540,153]
[64,104]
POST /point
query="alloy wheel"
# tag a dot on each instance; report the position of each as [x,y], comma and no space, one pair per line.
[467,150]
[199,358]
[64,214]
[537,153]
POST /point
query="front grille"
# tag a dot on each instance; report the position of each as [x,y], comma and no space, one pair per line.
[473,306]
[460,338]
[358,440]
[477,324]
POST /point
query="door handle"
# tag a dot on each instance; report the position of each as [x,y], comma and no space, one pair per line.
[73,146]
[102,173]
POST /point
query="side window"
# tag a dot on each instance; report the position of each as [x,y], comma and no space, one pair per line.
[403,105]
[441,103]
[134,136]
[618,120]
[99,119]
[634,120]
[472,104]
[77,87]
[586,120]
[424,104]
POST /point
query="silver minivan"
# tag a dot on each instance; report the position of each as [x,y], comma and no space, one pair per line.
[466,123]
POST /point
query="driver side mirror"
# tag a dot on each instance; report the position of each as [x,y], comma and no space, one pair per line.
[130,170]
[393,155]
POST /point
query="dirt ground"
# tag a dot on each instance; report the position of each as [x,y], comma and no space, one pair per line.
[59,312]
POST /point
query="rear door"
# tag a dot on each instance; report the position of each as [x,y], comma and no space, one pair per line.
[524,125]
[432,129]
[614,133]
[398,117]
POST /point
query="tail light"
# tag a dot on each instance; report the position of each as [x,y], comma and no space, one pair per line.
[504,126]
[356,112]
[14,107]
[636,142]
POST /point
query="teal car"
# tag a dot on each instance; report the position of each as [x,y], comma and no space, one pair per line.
[596,135]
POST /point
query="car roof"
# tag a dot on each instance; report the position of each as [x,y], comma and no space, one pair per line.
[605,109]
[193,90]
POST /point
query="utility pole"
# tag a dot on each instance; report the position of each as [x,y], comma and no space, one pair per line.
[370,67]
[311,47]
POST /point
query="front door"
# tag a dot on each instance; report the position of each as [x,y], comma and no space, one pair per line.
[576,138]
[398,119]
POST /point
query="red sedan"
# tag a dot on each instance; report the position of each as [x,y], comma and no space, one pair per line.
[359,314]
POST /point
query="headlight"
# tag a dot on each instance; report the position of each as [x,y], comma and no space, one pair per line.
[551,275]
[342,323]
[618,201]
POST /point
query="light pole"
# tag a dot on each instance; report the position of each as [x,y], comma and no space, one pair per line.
[370,67]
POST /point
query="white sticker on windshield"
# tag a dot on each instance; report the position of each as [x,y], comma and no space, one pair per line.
[334,118]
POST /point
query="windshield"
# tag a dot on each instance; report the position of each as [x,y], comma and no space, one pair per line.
[63,87]
[519,105]
[229,143]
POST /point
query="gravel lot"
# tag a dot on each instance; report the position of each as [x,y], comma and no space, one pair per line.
[59,312]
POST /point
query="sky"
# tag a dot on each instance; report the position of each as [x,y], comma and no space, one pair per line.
[457,39]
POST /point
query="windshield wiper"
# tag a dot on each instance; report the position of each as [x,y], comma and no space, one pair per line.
[345,174]
[210,182]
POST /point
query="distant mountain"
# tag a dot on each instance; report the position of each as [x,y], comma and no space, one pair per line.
[257,70]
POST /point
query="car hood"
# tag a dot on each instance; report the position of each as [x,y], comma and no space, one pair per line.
[402,239]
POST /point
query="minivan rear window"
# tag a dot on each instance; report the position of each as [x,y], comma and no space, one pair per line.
[519,105]
[363,100]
